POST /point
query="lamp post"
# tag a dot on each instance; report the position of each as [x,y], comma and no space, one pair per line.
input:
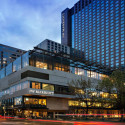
[13,110]
[4,110]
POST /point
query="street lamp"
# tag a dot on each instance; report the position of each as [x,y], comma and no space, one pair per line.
[13,110]
[4,110]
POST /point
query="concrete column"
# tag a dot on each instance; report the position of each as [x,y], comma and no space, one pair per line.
[53,115]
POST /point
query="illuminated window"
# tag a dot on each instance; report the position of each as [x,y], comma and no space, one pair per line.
[34,101]
[48,87]
[83,104]
[36,85]
[104,95]
[94,94]
[79,91]
[41,65]
[113,95]
[42,101]
[76,103]
[73,103]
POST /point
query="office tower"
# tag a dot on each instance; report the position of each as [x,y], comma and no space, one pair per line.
[8,54]
[97,27]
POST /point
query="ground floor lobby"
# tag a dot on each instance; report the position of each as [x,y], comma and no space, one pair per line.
[71,113]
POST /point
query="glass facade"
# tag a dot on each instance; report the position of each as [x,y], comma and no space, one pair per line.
[8,55]
[9,69]
[40,60]
[98,29]
[16,65]
[29,100]
[14,88]
[25,59]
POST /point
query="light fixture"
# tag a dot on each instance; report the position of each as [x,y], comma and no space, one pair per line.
[27,99]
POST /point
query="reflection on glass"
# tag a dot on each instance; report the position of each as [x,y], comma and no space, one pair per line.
[48,87]
[17,64]
[25,59]
[18,100]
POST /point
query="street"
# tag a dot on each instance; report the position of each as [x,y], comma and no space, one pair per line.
[54,122]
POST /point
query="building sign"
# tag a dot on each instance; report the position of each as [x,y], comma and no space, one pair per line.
[41,92]
[63,24]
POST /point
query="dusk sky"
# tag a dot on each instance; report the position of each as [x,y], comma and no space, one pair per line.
[26,23]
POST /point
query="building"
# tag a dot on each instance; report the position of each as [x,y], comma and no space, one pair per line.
[54,47]
[8,54]
[96,27]
[35,84]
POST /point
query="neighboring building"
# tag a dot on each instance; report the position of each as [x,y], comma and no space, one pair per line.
[55,47]
[97,27]
[8,54]
[35,84]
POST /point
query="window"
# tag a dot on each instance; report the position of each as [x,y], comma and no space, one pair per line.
[25,59]
[2,73]
[25,85]
[34,101]
[36,85]
[42,101]
[17,64]
[41,65]
[48,87]
[9,69]
[76,103]
[18,87]
[18,100]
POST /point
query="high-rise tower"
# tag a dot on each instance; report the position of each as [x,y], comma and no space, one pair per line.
[97,27]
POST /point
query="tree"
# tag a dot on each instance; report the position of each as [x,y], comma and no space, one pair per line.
[82,90]
[115,83]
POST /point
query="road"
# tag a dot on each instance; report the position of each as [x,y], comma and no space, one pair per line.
[4,122]
[47,122]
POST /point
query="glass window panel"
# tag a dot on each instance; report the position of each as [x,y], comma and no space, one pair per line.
[2,73]
[18,87]
[41,65]
[34,101]
[18,100]
[25,85]
[48,87]
[36,85]
[17,64]
[9,69]
[25,59]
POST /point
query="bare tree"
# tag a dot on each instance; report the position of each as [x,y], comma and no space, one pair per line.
[82,89]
